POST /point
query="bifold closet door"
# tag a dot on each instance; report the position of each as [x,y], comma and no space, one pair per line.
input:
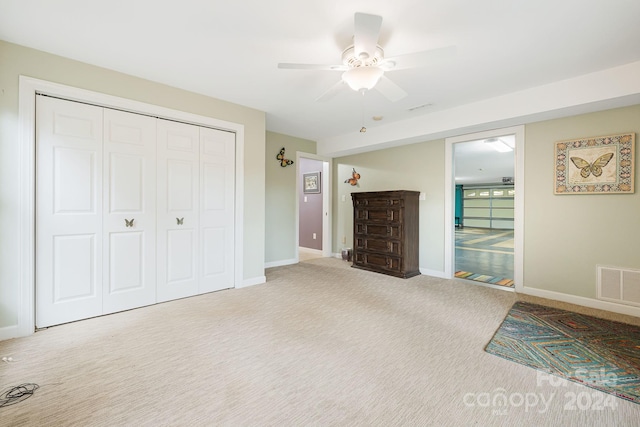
[129,224]
[217,183]
[178,210]
[68,211]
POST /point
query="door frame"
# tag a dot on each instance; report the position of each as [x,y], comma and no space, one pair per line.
[326,202]
[518,220]
[28,89]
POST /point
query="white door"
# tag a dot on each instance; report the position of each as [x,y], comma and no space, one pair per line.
[217,172]
[129,225]
[68,211]
[178,208]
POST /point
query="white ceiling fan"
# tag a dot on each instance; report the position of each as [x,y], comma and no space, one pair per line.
[364,65]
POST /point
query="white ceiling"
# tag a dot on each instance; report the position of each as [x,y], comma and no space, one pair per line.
[476,162]
[230,50]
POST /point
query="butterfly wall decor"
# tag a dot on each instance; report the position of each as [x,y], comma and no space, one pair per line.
[283,162]
[355,176]
[594,168]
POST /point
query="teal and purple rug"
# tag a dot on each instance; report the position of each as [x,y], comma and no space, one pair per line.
[601,354]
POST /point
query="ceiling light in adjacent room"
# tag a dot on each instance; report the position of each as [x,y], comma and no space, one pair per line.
[359,78]
[498,145]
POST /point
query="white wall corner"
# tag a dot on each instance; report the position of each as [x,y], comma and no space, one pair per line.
[280,263]
[434,273]
[253,281]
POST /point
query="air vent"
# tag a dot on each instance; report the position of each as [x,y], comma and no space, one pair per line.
[621,285]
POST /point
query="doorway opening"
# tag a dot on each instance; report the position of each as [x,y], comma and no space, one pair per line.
[484,208]
[313,228]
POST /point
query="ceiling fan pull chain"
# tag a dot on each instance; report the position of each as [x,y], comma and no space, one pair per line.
[363,129]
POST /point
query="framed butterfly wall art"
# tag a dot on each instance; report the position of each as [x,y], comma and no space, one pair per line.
[598,165]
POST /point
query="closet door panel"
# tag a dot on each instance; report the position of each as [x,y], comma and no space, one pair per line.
[130,211]
[217,166]
[178,206]
[68,211]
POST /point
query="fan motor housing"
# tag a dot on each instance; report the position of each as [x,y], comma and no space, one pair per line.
[350,59]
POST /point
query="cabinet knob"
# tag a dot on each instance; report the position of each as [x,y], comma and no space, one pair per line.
[128,222]
[180,221]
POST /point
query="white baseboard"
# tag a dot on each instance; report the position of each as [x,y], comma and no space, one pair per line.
[336,255]
[281,263]
[9,332]
[310,251]
[434,273]
[586,302]
[253,281]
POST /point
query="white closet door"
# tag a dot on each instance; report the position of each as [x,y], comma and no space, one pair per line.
[68,211]
[217,176]
[129,224]
[178,207]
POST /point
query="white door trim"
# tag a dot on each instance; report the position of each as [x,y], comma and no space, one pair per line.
[449,197]
[29,87]
[326,202]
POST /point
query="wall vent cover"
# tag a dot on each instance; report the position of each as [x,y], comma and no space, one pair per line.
[621,285]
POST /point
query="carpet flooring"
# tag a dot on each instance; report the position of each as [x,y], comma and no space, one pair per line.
[483,278]
[319,344]
[601,354]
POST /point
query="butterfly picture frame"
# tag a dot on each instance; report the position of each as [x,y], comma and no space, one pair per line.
[596,165]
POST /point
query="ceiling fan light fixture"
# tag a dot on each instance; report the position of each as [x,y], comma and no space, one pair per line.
[359,78]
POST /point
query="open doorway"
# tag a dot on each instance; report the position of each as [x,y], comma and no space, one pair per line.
[313,228]
[484,228]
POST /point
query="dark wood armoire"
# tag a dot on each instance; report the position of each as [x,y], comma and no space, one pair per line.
[385,232]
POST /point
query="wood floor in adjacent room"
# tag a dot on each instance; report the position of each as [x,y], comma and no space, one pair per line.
[485,251]
[319,344]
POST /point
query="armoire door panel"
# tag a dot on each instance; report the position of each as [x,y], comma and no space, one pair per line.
[69,239]
[178,210]
[129,193]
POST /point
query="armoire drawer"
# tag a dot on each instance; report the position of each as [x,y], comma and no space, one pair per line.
[378,261]
[382,202]
[380,215]
[386,230]
[372,244]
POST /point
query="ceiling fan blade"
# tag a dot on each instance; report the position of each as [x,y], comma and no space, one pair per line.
[290,66]
[390,90]
[365,34]
[331,92]
[419,59]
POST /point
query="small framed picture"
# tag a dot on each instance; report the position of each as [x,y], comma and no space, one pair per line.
[311,182]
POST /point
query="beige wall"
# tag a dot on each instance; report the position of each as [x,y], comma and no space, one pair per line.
[417,167]
[17,60]
[280,237]
[566,236]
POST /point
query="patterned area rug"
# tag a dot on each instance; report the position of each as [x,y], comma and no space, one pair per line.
[484,278]
[598,353]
